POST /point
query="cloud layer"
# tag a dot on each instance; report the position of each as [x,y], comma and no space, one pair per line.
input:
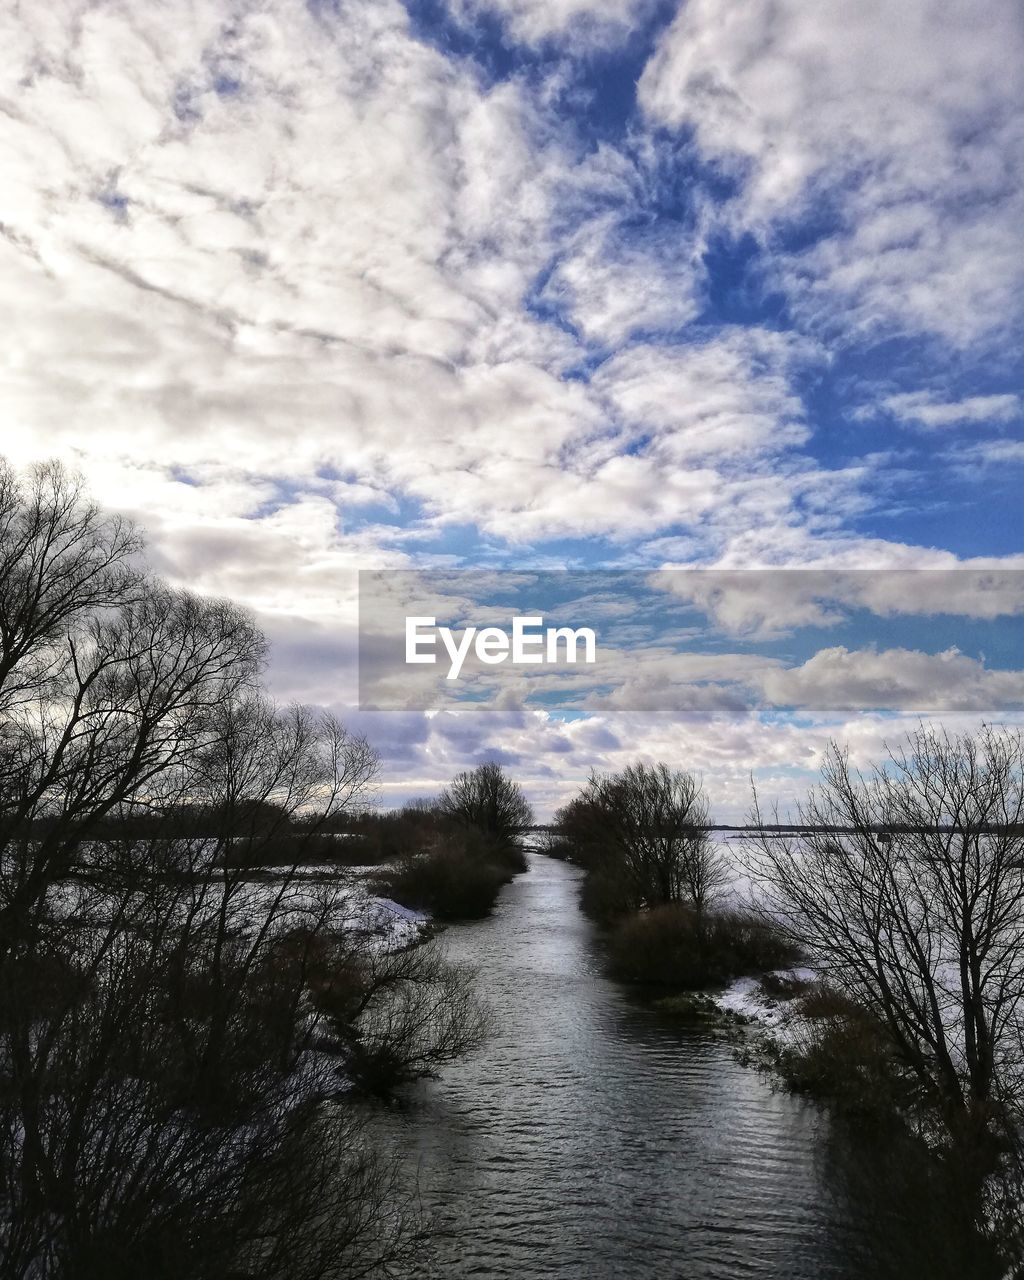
[315,287]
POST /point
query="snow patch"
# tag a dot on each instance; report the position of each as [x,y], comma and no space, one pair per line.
[777,1017]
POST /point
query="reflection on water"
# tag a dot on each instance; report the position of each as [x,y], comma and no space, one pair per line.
[593,1137]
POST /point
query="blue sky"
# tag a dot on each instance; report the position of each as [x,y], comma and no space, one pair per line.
[310,288]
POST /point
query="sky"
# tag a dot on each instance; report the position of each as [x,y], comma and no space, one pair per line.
[506,285]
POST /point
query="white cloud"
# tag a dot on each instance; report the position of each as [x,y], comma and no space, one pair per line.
[900,118]
[613,285]
[928,410]
[840,679]
[270,278]
[553,758]
[727,397]
[991,453]
[260,248]
[775,601]
[588,22]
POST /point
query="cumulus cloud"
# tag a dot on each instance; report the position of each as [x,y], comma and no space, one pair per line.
[307,293]
[613,285]
[554,757]
[771,602]
[839,679]
[300,259]
[267,260]
[726,396]
[266,250]
[900,119]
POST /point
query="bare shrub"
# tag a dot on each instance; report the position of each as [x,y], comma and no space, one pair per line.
[846,1057]
[670,945]
[453,882]
[783,986]
[399,1015]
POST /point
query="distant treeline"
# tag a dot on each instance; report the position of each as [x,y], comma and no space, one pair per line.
[788,829]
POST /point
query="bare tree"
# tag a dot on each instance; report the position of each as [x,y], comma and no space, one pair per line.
[263,770]
[164,1108]
[490,802]
[907,884]
[646,830]
[61,559]
[109,717]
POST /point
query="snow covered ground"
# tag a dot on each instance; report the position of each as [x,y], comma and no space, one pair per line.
[775,1016]
[401,926]
[339,902]
[343,901]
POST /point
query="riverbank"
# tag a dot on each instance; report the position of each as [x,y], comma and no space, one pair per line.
[764,1004]
[594,1136]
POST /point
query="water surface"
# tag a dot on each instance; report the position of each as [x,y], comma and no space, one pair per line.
[594,1137]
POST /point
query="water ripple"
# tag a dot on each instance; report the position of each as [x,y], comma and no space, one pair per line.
[594,1139]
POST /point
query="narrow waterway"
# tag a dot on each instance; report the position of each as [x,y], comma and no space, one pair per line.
[594,1137]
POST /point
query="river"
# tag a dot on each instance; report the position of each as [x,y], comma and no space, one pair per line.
[594,1138]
